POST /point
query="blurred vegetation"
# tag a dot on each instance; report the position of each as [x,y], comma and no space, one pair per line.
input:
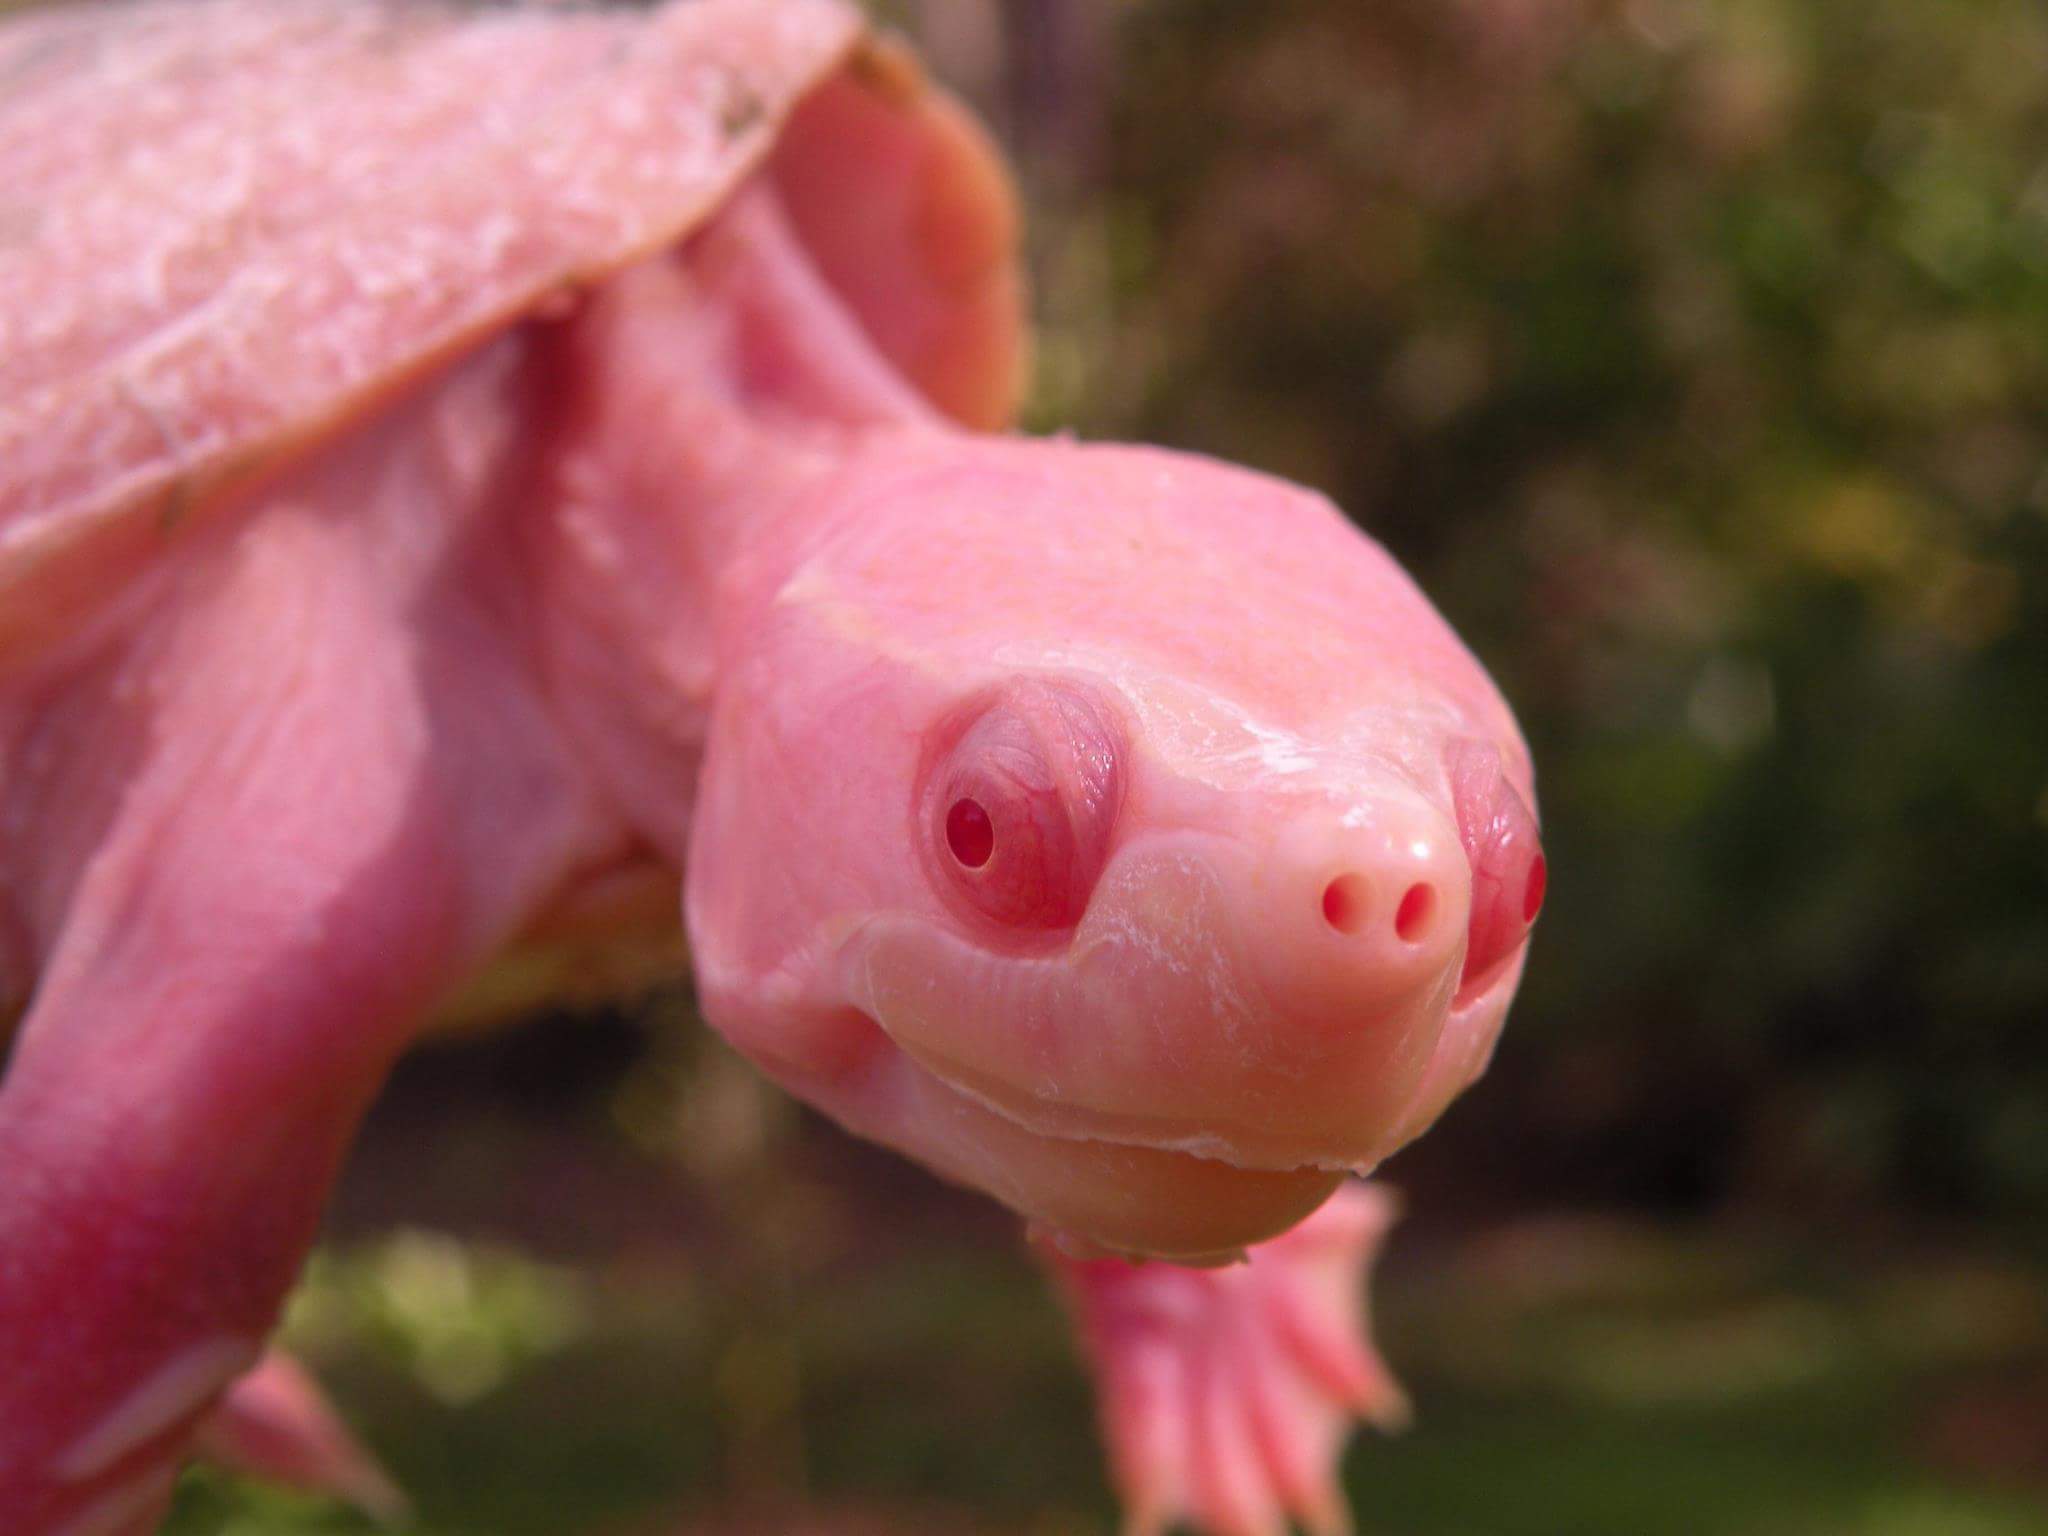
[1695,357]
[838,1364]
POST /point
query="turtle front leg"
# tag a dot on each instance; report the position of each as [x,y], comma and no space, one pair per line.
[232,840]
[1227,1395]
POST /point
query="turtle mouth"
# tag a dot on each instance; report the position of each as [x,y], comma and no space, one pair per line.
[1469,1028]
[1107,1195]
[1169,1186]
[1169,1045]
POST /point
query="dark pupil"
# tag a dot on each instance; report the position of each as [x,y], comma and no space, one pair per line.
[969,834]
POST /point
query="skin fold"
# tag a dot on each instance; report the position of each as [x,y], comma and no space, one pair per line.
[1109,829]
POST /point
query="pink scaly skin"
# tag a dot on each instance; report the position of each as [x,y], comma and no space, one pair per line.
[1111,830]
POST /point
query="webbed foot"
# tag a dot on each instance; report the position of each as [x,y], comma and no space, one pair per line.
[1227,1394]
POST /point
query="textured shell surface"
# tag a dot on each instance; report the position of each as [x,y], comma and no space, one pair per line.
[230,227]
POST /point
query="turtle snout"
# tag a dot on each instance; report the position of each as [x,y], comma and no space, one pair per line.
[1366,909]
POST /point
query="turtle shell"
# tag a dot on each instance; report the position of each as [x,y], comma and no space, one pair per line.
[229,228]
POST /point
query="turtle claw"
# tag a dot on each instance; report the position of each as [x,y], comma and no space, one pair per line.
[1227,1394]
[276,1425]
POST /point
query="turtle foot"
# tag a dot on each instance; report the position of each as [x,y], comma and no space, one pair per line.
[277,1426]
[1227,1394]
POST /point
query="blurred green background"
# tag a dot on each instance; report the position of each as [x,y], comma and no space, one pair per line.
[1695,357]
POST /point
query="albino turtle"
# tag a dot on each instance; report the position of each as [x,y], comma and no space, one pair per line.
[464,468]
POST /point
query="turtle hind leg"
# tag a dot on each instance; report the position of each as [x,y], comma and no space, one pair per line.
[262,904]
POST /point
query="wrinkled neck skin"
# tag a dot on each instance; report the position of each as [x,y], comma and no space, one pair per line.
[696,399]
[1109,829]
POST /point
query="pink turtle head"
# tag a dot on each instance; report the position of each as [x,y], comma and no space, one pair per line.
[1130,835]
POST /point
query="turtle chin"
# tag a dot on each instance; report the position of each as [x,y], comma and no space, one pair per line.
[1157,1197]
[1144,1202]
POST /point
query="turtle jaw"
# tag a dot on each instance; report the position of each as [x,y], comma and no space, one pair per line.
[1115,1198]
[1199,1064]
[1204,1005]
[1091,1193]
[1099,1193]
[840,1028]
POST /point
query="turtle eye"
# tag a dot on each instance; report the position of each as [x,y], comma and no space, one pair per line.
[1023,805]
[1505,850]
[969,833]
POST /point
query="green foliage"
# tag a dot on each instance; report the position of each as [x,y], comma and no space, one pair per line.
[1593,1378]
[1696,356]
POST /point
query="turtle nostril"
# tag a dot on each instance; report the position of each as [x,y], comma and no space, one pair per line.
[1345,900]
[1532,893]
[1418,908]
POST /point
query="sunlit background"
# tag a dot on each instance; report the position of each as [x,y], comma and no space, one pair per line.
[1695,356]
